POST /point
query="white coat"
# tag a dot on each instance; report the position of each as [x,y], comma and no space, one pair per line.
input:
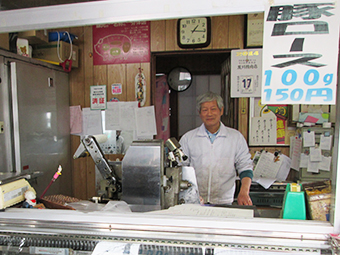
[216,163]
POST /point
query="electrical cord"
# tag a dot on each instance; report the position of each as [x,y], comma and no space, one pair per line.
[58,47]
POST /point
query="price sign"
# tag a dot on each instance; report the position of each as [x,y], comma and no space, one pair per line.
[300,53]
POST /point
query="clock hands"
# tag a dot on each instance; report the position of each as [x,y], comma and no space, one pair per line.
[192,31]
[199,30]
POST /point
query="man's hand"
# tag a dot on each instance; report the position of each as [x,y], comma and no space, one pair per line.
[243,197]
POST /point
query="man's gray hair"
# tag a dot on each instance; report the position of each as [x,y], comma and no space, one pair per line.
[209,97]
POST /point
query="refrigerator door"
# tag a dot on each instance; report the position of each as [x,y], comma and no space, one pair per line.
[6,155]
[40,103]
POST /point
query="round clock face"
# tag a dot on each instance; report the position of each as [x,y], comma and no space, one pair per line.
[193,32]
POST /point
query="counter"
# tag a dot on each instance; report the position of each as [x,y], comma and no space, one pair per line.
[81,231]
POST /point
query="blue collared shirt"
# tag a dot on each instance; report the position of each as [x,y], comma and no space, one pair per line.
[212,136]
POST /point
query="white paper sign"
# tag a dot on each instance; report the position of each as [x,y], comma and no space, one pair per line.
[300,53]
[309,139]
[263,131]
[315,154]
[246,73]
[326,142]
[112,116]
[92,122]
[304,160]
[98,97]
[325,164]
[145,121]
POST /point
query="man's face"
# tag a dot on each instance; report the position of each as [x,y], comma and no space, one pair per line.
[211,114]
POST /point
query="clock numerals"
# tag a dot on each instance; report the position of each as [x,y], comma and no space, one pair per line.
[194,32]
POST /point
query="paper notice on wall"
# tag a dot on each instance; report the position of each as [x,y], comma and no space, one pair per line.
[304,160]
[76,120]
[270,168]
[326,142]
[112,116]
[145,121]
[315,154]
[127,115]
[92,122]
[325,163]
[312,166]
[295,151]
[309,139]
[263,131]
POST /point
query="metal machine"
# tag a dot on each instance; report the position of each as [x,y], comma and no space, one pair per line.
[149,178]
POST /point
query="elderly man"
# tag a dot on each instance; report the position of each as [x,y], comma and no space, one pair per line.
[216,152]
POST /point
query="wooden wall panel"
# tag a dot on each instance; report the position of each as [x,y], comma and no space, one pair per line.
[171,35]
[243,106]
[157,35]
[116,74]
[84,173]
[131,72]
[88,64]
[75,175]
[77,97]
[220,32]
[236,32]
[100,75]
[79,173]
[147,72]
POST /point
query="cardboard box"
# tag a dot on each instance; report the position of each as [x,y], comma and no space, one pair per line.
[34,36]
[4,41]
[49,52]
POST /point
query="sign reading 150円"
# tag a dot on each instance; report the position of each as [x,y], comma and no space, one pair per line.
[300,53]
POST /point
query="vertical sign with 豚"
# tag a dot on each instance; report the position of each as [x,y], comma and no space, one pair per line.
[300,53]
[98,97]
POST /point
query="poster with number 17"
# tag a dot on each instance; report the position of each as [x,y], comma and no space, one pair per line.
[300,53]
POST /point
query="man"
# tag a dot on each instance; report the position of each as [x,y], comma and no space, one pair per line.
[215,152]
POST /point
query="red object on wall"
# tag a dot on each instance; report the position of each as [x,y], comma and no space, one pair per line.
[121,43]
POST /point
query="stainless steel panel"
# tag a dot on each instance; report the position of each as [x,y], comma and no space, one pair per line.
[41,122]
[143,170]
[6,155]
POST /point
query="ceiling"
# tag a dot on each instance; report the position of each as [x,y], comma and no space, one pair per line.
[21,4]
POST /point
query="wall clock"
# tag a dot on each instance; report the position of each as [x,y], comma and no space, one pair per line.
[179,79]
[194,32]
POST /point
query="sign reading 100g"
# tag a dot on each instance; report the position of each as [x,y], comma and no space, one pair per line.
[309,79]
